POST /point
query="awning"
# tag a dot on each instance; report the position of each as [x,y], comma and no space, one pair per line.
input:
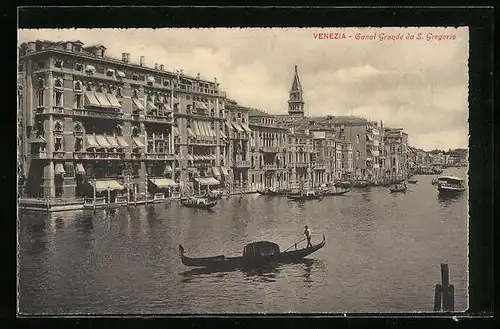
[101,140]
[120,74]
[113,101]
[137,143]
[245,127]
[91,142]
[207,181]
[79,169]
[112,141]
[211,132]
[59,169]
[110,71]
[224,171]
[151,106]
[168,169]
[216,171]
[90,68]
[228,125]
[163,182]
[222,135]
[151,79]
[175,131]
[91,100]
[138,103]
[191,133]
[212,157]
[38,140]
[189,157]
[103,100]
[104,185]
[121,141]
[199,127]
[201,105]
[196,157]
[195,128]
[238,127]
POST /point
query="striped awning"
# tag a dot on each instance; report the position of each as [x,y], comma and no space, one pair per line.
[79,169]
[191,133]
[216,171]
[121,141]
[175,131]
[224,171]
[238,127]
[163,182]
[91,141]
[151,106]
[207,181]
[105,185]
[138,103]
[91,100]
[189,157]
[228,125]
[103,100]
[222,135]
[112,141]
[113,101]
[59,169]
[103,143]
[137,143]
[120,74]
[245,127]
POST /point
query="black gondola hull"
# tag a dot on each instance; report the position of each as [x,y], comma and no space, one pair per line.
[335,193]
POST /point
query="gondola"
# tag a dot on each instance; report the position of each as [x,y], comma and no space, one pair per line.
[396,189]
[412,180]
[345,184]
[268,191]
[254,254]
[331,193]
[361,184]
[304,196]
[199,202]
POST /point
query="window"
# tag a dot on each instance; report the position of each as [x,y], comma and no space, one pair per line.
[357,138]
[357,155]
[135,131]
[58,98]
[239,115]
[58,144]
[78,144]
[188,97]
[78,101]
[253,178]
[41,65]
[160,148]
[188,123]
[119,92]
[135,77]
[79,67]
[166,82]
[109,72]
[176,124]
[58,63]
[69,170]
[40,96]
[77,48]
[212,125]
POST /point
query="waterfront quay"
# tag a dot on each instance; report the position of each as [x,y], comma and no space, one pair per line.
[96,131]
[382,254]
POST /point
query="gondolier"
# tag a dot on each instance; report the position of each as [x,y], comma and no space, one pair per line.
[307,233]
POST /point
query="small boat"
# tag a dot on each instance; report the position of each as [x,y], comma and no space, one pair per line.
[397,188]
[361,184]
[205,202]
[268,191]
[412,181]
[345,184]
[309,195]
[254,254]
[450,185]
[333,193]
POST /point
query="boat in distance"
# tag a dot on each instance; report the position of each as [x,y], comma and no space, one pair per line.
[333,193]
[309,195]
[199,202]
[397,188]
[450,185]
[412,180]
[254,254]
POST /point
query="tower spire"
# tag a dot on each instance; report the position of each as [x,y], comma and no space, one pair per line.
[295,99]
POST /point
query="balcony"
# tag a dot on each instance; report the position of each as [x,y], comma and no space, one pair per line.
[98,114]
[159,156]
[241,164]
[159,118]
[270,149]
[58,154]
[270,167]
[302,165]
[319,166]
[98,156]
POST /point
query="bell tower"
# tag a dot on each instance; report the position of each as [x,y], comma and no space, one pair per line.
[295,99]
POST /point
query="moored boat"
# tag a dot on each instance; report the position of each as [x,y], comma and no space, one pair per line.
[199,202]
[308,195]
[361,184]
[335,192]
[254,254]
[450,185]
[397,188]
[412,180]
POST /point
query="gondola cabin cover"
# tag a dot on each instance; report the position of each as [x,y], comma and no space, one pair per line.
[260,249]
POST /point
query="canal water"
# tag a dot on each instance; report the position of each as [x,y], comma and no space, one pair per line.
[383,254]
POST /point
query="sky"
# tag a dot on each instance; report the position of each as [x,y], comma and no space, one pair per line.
[420,85]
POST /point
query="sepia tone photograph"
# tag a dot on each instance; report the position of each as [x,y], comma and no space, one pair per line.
[242,170]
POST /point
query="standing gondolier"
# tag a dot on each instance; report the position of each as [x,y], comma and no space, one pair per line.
[307,233]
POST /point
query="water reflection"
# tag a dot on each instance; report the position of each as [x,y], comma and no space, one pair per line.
[448,200]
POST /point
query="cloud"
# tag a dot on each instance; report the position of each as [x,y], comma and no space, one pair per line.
[420,86]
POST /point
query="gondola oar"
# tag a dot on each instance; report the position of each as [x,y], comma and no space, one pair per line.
[295,244]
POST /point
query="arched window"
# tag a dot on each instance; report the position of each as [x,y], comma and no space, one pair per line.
[58,83]
[357,155]
[188,123]
[58,126]
[357,138]
[78,128]
[135,131]
[77,86]
[118,130]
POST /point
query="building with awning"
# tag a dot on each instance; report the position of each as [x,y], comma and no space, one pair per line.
[113,101]
[106,185]
[163,182]
[120,74]
[209,181]
[168,169]
[138,103]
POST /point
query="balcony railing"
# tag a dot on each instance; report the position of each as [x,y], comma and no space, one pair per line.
[47,110]
[97,114]
[159,156]
[270,167]
[98,155]
[58,154]
[270,149]
[319,166]
[241,163]
[302,164]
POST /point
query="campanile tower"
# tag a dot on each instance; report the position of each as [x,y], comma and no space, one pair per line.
[295,99]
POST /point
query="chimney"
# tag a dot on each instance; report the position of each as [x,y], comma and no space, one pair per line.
[69,46]
[182,71]
[128,57]
[156,66]
[97,52]
[141,60]
[198,76]
[124,57]
[215,80]
[162,67]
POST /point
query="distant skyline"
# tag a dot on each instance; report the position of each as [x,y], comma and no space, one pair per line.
[421,86]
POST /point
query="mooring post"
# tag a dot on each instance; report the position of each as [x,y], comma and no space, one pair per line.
[437,297]
[444,293]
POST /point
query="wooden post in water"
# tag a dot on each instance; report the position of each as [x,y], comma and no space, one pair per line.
[444,293]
